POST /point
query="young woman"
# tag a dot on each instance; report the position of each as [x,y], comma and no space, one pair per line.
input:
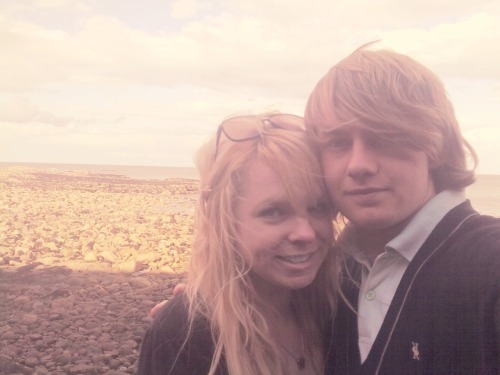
[263,282]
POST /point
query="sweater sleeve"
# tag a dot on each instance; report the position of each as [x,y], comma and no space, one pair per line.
[166,349]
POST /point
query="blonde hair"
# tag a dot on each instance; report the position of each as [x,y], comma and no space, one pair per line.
[219,287]
[399,100]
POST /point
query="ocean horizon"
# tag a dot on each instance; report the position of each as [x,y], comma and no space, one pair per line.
[484,193]
[141,172]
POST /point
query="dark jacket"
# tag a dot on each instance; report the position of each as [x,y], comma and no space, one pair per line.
[442,317]
[165,349]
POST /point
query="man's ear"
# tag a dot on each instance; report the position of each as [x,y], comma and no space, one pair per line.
[434,163]
[435,172]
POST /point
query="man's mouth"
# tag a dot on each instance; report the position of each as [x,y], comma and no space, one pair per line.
[365,191]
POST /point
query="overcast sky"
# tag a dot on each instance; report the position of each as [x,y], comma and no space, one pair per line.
[145,82]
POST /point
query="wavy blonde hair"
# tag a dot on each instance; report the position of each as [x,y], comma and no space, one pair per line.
[399,100]
[219,285]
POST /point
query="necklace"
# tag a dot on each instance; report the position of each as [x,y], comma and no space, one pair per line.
[300,360]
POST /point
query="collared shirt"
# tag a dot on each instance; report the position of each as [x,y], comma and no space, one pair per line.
[380,280]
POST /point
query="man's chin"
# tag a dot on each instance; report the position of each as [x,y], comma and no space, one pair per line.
[369,221]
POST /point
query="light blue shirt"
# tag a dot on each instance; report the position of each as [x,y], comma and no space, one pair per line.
[380,280]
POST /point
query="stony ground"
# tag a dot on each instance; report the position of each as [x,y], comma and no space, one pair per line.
[54,320]
[83,258]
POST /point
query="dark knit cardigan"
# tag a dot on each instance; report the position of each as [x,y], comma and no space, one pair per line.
[443,315]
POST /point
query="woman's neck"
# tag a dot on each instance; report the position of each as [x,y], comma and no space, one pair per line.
[300,350]
[276,301]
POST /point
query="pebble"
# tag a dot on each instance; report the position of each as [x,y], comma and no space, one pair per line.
[83,259]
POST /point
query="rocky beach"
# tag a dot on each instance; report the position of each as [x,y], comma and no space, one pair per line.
[83,258]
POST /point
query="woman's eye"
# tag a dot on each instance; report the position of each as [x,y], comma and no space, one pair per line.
[273,212]
[319,209]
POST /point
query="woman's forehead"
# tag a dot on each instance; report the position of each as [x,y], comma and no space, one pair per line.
[296,183]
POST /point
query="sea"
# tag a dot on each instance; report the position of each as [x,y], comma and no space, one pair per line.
[132,171]
[484,193]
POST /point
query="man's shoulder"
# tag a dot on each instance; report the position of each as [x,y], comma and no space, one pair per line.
[476,241]
[463,239]
[482,228]
[484,238]
[464,220]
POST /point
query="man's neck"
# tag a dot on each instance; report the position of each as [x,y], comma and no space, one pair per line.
[373,241]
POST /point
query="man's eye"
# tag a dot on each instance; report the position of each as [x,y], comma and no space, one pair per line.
[377,143]
[338,144]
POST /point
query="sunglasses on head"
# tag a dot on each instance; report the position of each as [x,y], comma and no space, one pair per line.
[245,128]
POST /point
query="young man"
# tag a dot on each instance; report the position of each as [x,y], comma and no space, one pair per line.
[423,267]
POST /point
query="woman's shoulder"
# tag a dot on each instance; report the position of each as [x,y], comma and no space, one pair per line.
[173,342]
[174,311]
[173,321]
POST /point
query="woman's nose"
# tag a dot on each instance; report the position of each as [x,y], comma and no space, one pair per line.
[302,230]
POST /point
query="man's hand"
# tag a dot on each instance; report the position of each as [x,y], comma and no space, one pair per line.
[157,308]
[179,288]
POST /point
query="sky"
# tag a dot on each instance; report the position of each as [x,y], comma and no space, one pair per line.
[146,82]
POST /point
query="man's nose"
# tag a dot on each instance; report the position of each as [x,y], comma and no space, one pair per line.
[302,229]
[362,160]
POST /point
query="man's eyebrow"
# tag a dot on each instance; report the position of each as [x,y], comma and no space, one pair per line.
[334,132]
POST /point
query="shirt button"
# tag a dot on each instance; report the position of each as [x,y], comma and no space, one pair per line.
[370,295]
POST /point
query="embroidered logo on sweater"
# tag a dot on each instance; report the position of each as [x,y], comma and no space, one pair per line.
[415,351]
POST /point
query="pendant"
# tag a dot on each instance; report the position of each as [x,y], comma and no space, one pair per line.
[301,363]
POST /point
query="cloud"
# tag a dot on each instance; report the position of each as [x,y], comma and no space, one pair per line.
[184,8]
[51,3]
[466,47]
[263,49]
[182,66]
[21,110]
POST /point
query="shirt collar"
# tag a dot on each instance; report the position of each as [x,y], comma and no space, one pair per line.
[415,233]
[423,223]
